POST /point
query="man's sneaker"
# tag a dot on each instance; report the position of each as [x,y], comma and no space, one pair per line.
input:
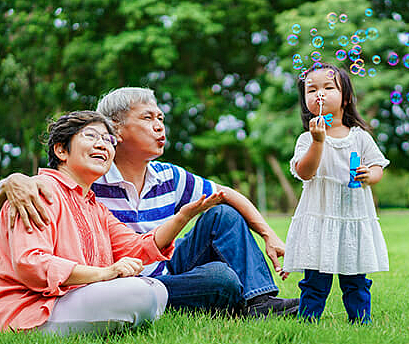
[263,305]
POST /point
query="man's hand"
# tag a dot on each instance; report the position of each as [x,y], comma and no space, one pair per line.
[276,248]
[190,210]
[23,194]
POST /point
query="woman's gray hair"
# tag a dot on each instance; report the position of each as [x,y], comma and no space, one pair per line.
[118,102]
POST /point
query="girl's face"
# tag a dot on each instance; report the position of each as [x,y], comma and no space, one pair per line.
[322,82]
[91,154]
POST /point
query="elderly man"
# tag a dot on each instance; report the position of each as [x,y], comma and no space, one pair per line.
[217,264]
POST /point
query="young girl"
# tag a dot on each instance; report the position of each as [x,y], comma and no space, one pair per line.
[335,228]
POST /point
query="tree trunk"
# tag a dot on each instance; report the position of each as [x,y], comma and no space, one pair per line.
[232,166]
[285,184]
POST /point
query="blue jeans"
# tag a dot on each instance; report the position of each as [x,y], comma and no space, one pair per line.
[356,296]
[217,256]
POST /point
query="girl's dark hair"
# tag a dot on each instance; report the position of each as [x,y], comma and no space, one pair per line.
[351,117]
[62,131]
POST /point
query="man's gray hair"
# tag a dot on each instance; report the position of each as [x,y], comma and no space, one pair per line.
[118,102]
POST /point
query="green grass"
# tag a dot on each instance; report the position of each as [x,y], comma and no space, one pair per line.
[390,310]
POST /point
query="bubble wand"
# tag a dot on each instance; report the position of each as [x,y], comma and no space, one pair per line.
[327,118]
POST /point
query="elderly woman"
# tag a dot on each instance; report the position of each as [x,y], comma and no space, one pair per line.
[66,278]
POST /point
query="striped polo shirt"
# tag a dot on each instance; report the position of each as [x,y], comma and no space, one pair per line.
[167,188]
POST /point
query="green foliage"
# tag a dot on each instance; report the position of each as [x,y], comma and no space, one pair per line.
[393,190]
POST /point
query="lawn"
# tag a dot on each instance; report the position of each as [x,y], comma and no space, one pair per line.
[390,310]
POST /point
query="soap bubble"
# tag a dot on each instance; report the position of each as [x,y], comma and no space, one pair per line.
[361,34]
[316,56]
[405,60]
[407,96]
[330,74]
[362,72]
[354,39]
[343,41]
[331,26]
[298,64]
[371,72]
[292,40]
[343,18]
[396,97]
[372,33]
[354,69]
[316,65]
[353,55]
[393,59]
[296,57]
[332,17]
[318,41]
[313,31]
[360,62]
[368,12]
[341,55]
[296,28]
[358,48]
[376,59]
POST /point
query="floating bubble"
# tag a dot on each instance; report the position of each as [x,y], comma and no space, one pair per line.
[343,41]
[304,70]
[407,96]
[361,34]
[396,97]
[405,60]
[341,55]
[376,59]
[330,74]
[362,72]
[354,69]
[354,39]
[343,18]
[331,26]
[405,146]
[317,65]
[368,12]
[353,55]
[296,28]
[292,40]
[313,31]
[316,56]
[296,57]
[358,48]
[360,62]
[332,17]
[372,33]
[393,59]
[318,41]
[371,72]
[309,82]
[298,64]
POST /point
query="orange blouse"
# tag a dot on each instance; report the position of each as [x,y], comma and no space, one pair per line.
[81,231]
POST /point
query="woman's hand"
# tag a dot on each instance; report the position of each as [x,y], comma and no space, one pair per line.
[276,248]
[317,128]
[23,194]
[125,267]
[190,210]
[85,274]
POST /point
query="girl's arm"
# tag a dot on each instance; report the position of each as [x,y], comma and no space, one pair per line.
[307,166]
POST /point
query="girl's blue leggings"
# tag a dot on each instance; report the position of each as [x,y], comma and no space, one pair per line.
[356,296]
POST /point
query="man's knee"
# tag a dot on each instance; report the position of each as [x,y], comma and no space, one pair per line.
[222,216]
[223,278]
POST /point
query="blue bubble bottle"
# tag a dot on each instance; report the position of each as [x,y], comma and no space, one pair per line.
[354,162]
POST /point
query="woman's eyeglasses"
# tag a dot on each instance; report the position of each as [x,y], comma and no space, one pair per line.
[93,135]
